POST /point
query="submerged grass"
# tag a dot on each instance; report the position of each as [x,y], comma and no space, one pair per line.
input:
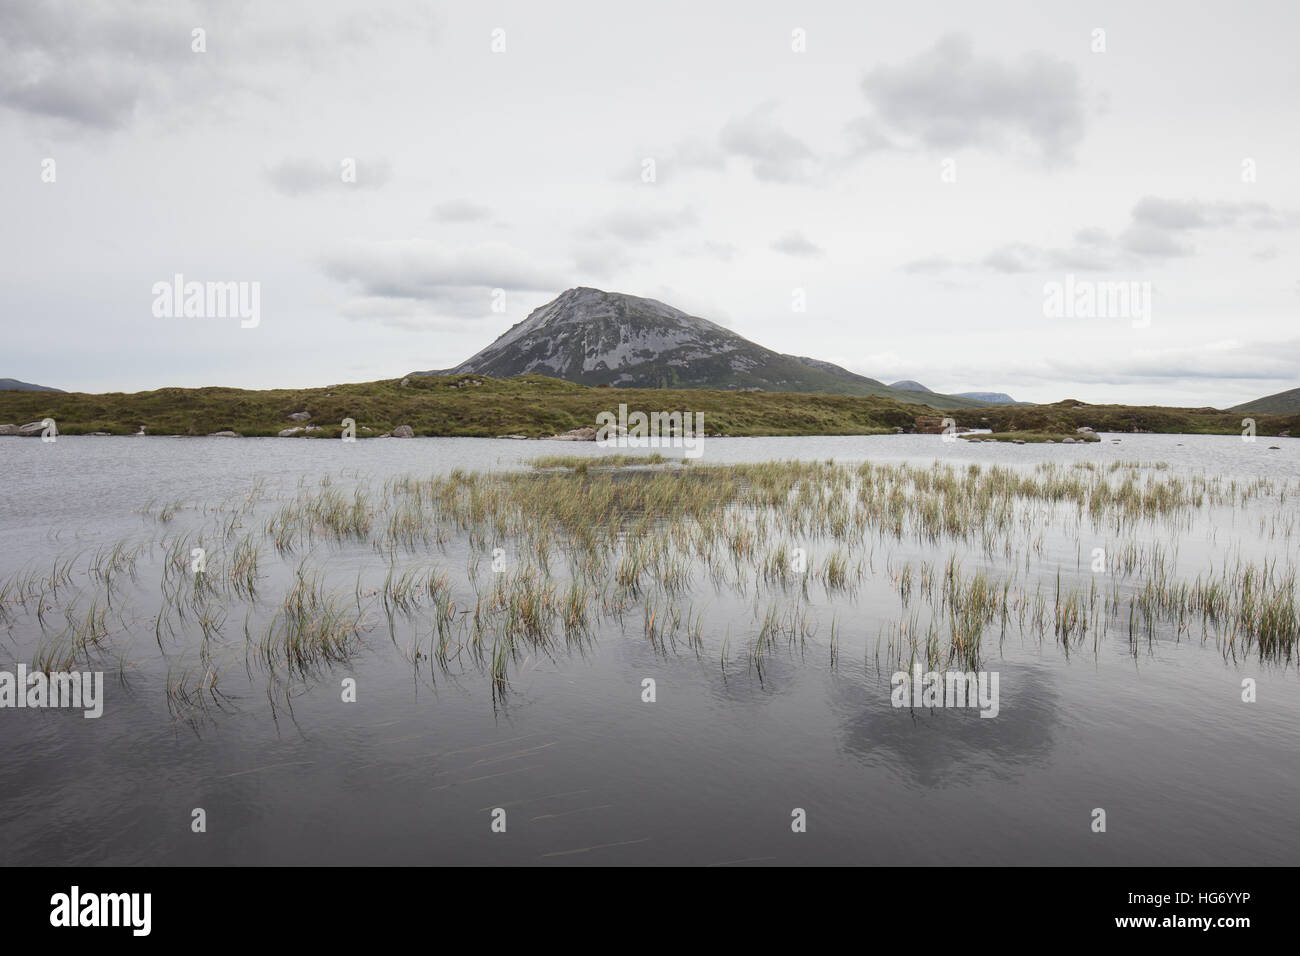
[556,555]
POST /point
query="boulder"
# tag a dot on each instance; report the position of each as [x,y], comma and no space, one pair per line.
[299,416]
[225,434]
[403,431]
[1085,430]
[929,425]
[290,432]
[8,429]
[406,381]
[31,429]
[516,437]
[1017,441]
[576,434]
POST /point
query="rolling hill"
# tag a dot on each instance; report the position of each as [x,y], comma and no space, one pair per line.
[991,398]
[1283,403]
[14,385]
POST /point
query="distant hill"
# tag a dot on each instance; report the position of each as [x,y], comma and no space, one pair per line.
[13,385]
[592,337]
[991,398]
[1283,403]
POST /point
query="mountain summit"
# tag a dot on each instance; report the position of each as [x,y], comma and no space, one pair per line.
[607,338]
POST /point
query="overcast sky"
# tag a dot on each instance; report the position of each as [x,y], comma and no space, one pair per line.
[1171,158]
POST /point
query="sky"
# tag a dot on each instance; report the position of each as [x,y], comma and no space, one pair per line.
[901,189]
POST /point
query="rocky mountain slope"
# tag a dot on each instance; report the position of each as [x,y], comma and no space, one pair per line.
[606,338]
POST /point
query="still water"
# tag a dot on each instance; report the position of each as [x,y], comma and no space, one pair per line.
[588,773]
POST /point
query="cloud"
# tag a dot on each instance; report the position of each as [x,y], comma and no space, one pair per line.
[300,177]
[696,152]
[797,244]
[641,225]
[1014,257]
[600,260]
[774,154]
[460,210]
[1219,360]
[1150,241]
[1184,214]
[1207,371]
[932,265]
[458,283]
[103,66]
[1157,229]
[81,64]
[1159,226]
[949,98]
[718,250]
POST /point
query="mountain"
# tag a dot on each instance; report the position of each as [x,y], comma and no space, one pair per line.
[1283,403]
[989,398]
[13,385]
[607,338]
[992,398]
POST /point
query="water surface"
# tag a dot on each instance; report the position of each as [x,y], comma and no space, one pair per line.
[587,772]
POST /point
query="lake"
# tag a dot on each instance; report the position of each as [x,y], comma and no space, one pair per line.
[771,695]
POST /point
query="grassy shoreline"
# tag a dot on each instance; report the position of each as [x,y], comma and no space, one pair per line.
[534,406]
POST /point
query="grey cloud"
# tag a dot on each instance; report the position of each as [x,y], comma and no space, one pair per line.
[100,66]
[86,65]
[460,210]
[949,98]
[775,155]
[641,225]
[446,280]
[1158,228]
[866,136]
[933,265]
[1264,362]
[299,177]
[600,260]
[1158,222]
[1016,257]
[718,250]
[694,152]
[797,244]
[1183,214]
[1151,241]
